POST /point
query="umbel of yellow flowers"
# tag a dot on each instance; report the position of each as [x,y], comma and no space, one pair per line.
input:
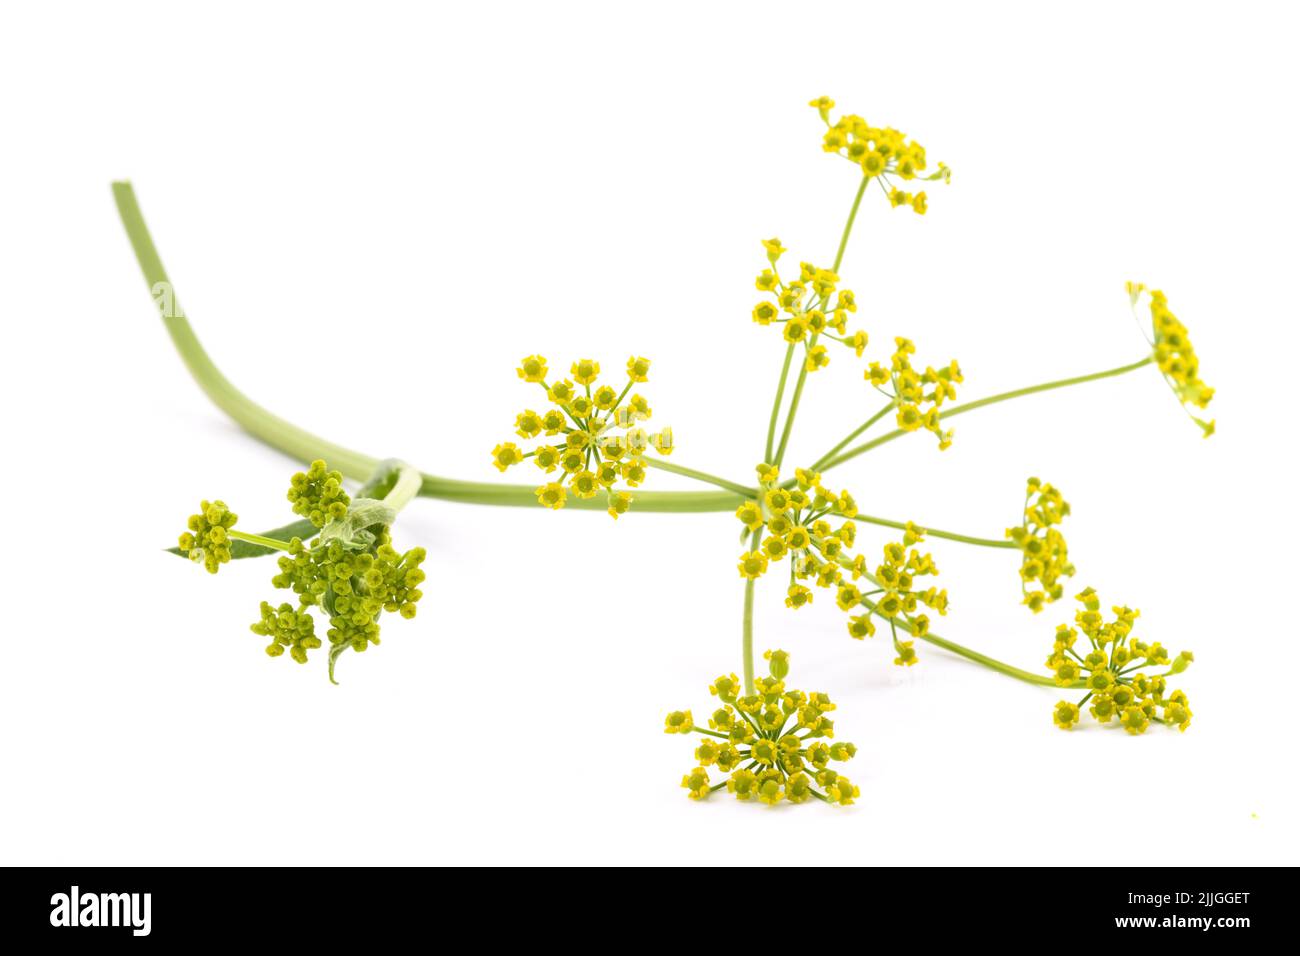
[591,434]
[772,745]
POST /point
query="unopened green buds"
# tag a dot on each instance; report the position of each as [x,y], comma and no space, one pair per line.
[207,541]
[318,494]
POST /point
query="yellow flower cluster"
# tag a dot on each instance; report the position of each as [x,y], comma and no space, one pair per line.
[879,152]
[795,520]
[917,407]
[1173,354]
[772,743]
[802,308]
[1045,558]
[1110,671]
[594,433]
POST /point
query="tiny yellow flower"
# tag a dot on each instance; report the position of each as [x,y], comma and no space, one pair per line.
[823,105]
[861,626]
[505,455]
[619,503]
[584,484]
[584,371]
[798,596]
[796,329]
[774,249]
[532,369]
[750,515]
[552,495]
[1065,714]
[679,722]
[696,783]
[753,564]
[546,458]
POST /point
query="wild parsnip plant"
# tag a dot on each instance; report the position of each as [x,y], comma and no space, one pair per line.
[592,446]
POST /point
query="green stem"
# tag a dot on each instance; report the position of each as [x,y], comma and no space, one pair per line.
[304,446]
[931,638]
[405,488]
[854,434]
[936,533]
[991,400]
[848,226]
[789,417]
[999,666]
[803,369]
[259,539]
[704,476]
[776,403]
[747,624]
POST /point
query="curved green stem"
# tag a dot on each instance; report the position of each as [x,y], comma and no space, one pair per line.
[305,446]
[704,476]
[997,665]
[931,638]
[404,488]
[991,400]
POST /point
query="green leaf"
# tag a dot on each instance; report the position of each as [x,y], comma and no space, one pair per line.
[242,549]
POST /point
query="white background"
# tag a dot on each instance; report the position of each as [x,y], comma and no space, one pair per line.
[371,214]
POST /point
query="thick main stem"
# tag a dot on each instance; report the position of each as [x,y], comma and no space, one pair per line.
[305,446]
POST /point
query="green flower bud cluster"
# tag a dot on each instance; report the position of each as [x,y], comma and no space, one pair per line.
[1112,670]
[318,494]
[771,743]
[353,577]
[208,540]
[286,627]
[364,585]
[353,584]
[1046,559]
